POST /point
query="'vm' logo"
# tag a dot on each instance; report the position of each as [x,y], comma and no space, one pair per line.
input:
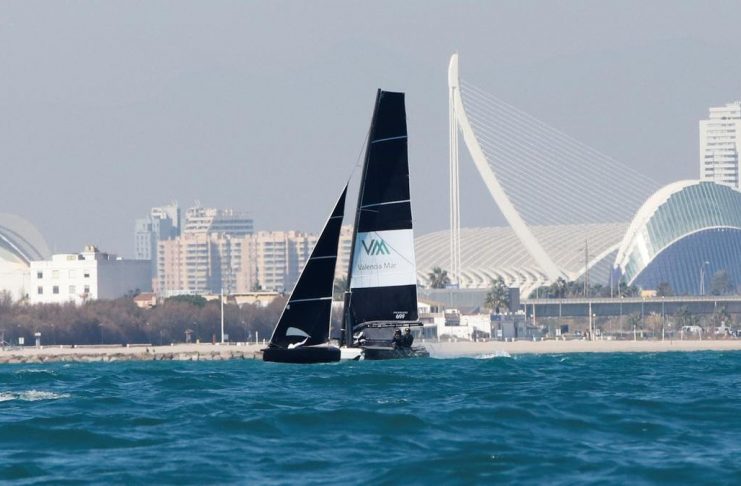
[376,247]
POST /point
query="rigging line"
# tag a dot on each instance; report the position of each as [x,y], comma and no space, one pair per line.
[496,104]
[534,138]
[508,172]
[527,202]
[539,179]
[491,100]
[578,160]
[522,151]
[527,120]
[510,128]
[359,160]
[482,95]
[536,149]
[550,197]
[534,145]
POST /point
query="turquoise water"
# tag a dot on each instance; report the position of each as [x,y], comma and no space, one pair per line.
[554,419]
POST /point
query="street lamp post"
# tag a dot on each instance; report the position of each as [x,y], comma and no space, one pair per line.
[222,315]
[702,277]
[663,318]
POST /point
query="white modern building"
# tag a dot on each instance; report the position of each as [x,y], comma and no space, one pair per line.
[89,275]
[720,140]
[20,244]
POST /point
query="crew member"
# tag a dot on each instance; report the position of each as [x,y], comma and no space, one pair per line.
[408,338]
[398,339]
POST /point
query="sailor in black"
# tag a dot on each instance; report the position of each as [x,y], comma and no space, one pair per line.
[408,339]
[398,339]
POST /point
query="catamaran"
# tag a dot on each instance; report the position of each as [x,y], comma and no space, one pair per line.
[382,273]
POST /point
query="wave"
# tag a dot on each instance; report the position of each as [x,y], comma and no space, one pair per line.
[30,371]
[31,396]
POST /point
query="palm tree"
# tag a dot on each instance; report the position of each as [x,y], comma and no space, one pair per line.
[498,297]
[664,290]
[560,287]
[438,278]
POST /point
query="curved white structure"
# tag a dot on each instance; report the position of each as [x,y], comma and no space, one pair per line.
[20,244]
[544,261]
[686,229]
[489,253]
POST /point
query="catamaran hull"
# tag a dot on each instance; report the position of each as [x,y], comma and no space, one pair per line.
[351,354]
[383,352]
[307,355]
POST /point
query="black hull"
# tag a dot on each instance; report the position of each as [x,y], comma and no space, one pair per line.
[307,355]
[386,352]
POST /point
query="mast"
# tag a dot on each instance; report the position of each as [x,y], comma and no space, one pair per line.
[347,323]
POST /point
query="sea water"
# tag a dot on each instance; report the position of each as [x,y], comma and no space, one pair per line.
[623,418]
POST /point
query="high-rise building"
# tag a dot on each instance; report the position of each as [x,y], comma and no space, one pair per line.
[163,223]
[199,264]
[720,144]
[206,257]
[274,259]
[200,220]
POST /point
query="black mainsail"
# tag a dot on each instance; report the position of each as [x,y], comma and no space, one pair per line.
[382,272]
[305,319]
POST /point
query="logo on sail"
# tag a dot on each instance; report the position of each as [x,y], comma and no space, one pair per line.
[376,247]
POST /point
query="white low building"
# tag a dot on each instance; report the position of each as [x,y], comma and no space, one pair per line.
[89,275]
[452,323]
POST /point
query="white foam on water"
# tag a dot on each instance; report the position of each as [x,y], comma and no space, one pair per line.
[496,354]
[34,370]
[32,396]
[391,401]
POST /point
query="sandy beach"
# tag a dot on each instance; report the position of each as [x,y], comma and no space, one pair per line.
[215,352]
[577,346]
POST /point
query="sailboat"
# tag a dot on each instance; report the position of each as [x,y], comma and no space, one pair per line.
[382,273]
[382,270]
[302,332]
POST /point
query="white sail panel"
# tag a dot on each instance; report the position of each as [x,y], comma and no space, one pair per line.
[384,259]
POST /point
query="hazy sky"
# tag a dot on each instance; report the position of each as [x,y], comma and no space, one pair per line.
[109,108]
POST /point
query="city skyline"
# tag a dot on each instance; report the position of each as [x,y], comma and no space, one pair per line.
[227,104]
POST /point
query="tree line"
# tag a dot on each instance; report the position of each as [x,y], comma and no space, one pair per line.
[120,321]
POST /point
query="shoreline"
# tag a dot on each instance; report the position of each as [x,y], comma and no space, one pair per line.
[112,353]
[220,352]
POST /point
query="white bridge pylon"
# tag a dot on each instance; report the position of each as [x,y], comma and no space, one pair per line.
[459,121]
